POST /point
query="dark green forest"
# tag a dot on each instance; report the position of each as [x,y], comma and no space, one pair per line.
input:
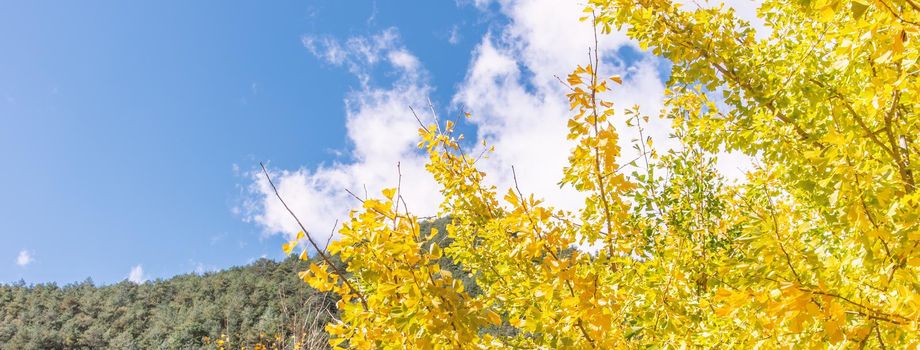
[250,305]
[261,305]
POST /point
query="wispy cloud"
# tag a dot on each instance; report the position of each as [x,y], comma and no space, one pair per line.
[455,35]
[24,258]
[519,105]
[381,130]
[357,54]
[511,89]
[215,239]
[137,275]
[522,114]
[202,268]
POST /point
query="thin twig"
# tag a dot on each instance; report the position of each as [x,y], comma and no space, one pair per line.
[336,224]
[597,156]
[398,195]
[419,119]
[579,323]
[564,83]
[321,253]
[434,115]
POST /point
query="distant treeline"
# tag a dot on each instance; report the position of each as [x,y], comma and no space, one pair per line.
[263,302]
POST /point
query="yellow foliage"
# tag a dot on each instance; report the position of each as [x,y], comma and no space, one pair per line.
[817,248]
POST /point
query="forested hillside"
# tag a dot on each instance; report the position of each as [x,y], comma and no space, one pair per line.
[263,299]
[261,305]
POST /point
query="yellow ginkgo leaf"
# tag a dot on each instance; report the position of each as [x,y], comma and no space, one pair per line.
[494,318]
[389,193]
[288,247]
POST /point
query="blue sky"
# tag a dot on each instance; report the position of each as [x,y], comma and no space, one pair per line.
[130,132]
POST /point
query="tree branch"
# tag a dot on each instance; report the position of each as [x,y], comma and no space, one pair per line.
[321,253]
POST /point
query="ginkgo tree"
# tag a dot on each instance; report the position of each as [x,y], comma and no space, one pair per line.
[817,247]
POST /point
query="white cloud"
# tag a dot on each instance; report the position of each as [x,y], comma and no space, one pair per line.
[24,258]
[404,60]
[202,268]
[137,275]
[455,36]
[511,89]
[356,53]
[520,106]
[382,132]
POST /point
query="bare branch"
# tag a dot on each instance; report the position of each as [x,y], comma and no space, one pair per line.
[321,253]
[419,119]
[336,224]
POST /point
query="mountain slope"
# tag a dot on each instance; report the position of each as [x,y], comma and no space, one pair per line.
[263,299]
[261,304]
